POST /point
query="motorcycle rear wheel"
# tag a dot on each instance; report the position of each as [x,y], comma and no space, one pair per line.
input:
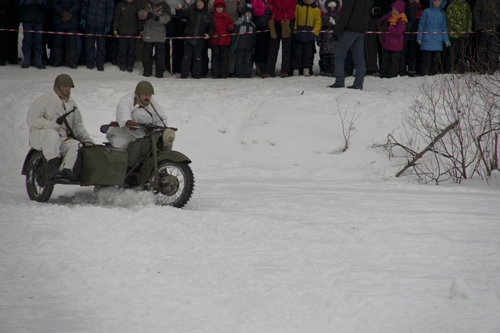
[37,178]
[176,184]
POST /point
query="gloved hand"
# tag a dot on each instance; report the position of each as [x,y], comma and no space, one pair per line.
[115,33]
[447,44]
[332,21]
[82,23]
[140,33]
[419,42]
[268,11]
[106,29]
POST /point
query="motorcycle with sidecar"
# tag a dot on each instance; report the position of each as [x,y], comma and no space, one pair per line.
[163,171]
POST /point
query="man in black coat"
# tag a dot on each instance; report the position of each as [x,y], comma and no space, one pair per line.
[66,14]
[350,33]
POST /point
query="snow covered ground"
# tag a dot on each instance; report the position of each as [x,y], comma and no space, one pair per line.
[284,232]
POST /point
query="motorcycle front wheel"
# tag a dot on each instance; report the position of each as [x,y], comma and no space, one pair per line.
[37,178]
[176,183]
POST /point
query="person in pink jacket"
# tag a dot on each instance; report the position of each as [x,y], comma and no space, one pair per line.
[392,41]
[282,24]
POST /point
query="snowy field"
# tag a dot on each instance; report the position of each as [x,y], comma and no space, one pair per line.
[284,232]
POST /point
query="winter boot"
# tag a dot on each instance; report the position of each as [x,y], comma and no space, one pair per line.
[295,72]
[53,168]
[38,61]
[27,60]
[306,72]
[69,175]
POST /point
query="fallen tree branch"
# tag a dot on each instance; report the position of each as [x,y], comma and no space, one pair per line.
[429,147]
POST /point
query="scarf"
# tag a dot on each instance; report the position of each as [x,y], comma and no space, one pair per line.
[63,94]
[394,19]
[139,101]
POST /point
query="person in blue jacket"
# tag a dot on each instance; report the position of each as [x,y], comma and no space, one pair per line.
[65,18]
[433,19]
[97,17]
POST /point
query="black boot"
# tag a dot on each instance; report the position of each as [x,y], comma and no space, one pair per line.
[53,168]
[69,175]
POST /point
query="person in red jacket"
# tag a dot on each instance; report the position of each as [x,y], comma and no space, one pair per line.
[221,40]
[282,24]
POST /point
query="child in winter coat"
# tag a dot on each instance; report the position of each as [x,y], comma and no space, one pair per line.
[307,17]
[326,42]
[199,23]
[459,19]
[432,20]
[244,44]
[221,44]
[126,23]
[392,41]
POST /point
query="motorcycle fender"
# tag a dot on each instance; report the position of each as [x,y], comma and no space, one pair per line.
[25,164]
[172,155]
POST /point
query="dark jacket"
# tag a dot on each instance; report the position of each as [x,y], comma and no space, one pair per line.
[98,13]
[126,21]
[486,15]
[33,11]
[328,21]
[243,42]
[198,23]
[70,6]
[354,16]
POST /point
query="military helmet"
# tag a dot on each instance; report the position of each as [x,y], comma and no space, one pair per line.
[64,80]
[144,88]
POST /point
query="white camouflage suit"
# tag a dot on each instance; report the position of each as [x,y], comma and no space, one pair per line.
[121,136]
[51,138]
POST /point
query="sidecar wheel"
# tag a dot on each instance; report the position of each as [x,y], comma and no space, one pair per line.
[37,178]
[176,184]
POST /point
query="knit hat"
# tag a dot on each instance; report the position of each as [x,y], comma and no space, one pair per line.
[248,9]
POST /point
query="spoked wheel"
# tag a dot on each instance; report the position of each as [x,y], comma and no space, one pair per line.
[176,184]
[37,178]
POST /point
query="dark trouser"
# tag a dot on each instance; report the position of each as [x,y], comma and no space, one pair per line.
[328,62]
[488,52]
[374,47]
[355,42]
[414,57]
[147,57]
[274,47]
[431,62]
[455,56]
[402,57]
[390,63]
[220,64]
[96,56]
[262,41]
[303,54]
[31,39]
[175,28]
[243,62]
[204,58]
[192,53]
[126,52]
[57,55]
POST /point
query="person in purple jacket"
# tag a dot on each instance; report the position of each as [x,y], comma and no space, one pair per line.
[392,41]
